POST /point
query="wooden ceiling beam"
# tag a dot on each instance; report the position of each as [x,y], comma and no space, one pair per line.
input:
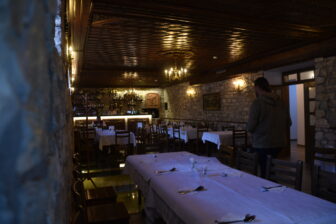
[190,14]
[320,49]
[105,69]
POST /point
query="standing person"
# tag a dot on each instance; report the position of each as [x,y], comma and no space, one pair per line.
[268,123]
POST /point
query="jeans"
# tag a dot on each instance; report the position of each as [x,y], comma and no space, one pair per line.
[262,157]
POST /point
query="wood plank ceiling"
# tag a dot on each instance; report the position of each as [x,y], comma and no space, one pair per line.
[214,39]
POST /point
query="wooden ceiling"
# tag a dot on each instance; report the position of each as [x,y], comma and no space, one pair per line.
[116,36]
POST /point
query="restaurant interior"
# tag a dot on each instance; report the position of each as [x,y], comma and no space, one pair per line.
[126,111]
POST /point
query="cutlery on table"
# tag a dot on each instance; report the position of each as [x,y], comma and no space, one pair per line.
[199,188]
[264,188]
[166,171]
[218,174]
[247,218]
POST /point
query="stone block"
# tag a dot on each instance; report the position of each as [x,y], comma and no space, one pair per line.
[331,118]
[319,135]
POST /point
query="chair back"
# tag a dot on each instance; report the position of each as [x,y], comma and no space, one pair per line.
[79,199]
[228,128]
[176,133]
[285,172]
[239,138]
[324,184]
[226,155]
[153,148]
[119,135]
[247,162]
[326,155]
[141,135]
[200,132]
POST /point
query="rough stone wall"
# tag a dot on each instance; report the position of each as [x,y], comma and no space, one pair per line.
[325,71]
[35,121]
[234,105]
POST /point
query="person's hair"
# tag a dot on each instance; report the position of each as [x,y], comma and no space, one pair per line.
[263,84]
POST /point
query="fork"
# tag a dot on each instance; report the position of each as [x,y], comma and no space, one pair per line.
[199,188]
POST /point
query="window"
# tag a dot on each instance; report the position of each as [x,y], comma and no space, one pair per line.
[298,76]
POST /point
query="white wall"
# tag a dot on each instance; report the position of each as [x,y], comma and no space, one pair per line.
[273,77]
[300,115]
[293,111]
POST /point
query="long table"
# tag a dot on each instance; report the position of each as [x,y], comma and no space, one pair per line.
[230,193]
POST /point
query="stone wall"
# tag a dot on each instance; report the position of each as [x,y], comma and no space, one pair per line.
[234,104]
[325,71]
[35,121]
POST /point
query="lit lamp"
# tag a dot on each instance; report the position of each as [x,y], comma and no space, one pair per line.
[239,85]
[191,92]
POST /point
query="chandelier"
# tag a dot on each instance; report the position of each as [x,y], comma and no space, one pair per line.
[130,75]
[175,73]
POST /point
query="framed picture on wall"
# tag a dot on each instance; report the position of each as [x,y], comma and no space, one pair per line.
[152,100]
[211,102]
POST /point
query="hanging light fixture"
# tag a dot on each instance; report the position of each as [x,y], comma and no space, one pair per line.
[130,75]
[176,73]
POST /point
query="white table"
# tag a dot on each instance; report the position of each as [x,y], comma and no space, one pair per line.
[227,197]
[108,137]
[186,133]
[218,137]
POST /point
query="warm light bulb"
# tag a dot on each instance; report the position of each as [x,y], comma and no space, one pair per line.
[191,92]
[239,83]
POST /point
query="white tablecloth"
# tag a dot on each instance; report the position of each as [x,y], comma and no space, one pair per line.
[186,133]
[107,137]
[218,137]
[232,196]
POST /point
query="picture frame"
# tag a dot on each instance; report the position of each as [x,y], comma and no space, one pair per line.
[211,102]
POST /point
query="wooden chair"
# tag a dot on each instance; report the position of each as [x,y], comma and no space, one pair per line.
[114,213]
[226,155]
[228,128]
[239,138]
[123,143]
[153,148]
[324,184]
[199,142]
[324,155]
[177,138]
[154,135]
[97,195]
[247,162]
[285,172]
[141,136]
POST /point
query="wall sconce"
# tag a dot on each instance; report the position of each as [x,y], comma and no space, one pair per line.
[191,92]
[239,84]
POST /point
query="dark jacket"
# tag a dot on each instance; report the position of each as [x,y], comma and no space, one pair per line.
[268,122]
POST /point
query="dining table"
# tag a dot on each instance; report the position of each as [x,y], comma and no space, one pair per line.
[218,137]
[186,133]
[181,187]
[107,137]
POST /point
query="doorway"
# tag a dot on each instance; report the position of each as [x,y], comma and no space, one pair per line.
[297,129]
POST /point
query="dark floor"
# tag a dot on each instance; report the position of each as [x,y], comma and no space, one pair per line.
[298,153]
[127,192]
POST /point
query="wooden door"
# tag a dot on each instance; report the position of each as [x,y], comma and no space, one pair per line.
[309,104]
